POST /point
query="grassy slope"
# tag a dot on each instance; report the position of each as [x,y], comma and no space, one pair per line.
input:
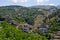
[8,32]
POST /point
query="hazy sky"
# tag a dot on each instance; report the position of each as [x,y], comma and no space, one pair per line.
[29,2]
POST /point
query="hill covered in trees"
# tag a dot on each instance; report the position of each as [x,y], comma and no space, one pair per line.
[29,23]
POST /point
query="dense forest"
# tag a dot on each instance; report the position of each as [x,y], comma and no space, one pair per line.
[29,23]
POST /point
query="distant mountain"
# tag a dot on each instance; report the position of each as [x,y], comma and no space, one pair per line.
[45,7]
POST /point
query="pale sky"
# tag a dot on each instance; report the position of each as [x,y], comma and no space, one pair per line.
[29,2]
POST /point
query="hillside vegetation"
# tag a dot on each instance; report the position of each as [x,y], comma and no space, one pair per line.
[29,23]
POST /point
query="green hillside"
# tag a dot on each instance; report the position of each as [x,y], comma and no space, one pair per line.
[9,32]
[29,23]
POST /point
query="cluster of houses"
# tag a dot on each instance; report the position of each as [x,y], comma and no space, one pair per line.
[53,36]
[26,28]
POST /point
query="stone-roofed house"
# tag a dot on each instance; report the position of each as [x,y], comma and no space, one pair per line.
[43,29]
[56,35]
[13,22]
